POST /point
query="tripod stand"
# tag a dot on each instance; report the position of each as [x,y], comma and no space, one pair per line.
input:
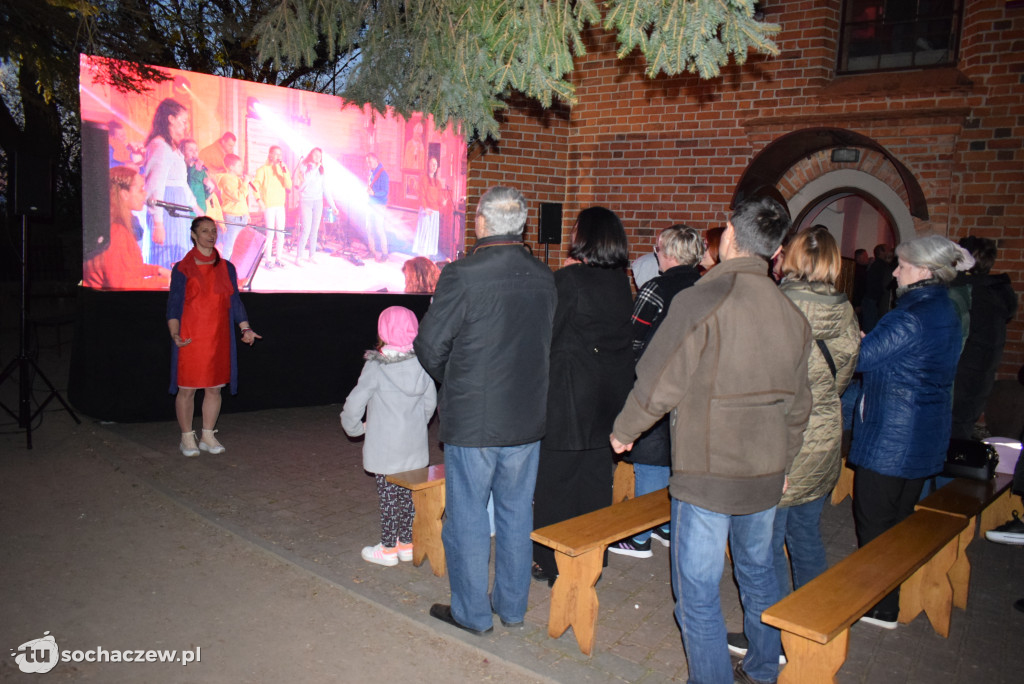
[23,363]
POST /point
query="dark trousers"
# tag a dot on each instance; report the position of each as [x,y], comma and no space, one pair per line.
[569,483]
[880,502]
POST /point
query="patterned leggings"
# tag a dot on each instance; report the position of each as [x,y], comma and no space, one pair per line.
[396,512]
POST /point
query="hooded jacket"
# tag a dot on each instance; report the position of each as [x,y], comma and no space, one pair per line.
[901,424]
[730,362]
[398,398]
[815,470]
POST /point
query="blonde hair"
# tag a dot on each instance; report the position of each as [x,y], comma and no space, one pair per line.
[813,256]
[682,243]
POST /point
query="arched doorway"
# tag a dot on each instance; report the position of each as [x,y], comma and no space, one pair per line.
[860,210]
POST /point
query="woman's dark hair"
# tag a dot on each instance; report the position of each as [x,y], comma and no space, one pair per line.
[161,128]
[192,231]
[598,239]
[983,250]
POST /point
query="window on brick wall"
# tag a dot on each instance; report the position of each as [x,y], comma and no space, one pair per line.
[889,35]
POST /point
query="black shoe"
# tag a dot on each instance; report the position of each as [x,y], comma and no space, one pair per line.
[740,676]
[1010,532]
[880,618]
[538,574]
[443,612]
[738,645]
[663,534]
[506,623]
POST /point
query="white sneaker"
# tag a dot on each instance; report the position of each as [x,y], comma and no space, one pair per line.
[404,551]
[187,446]
[209,442]
[380,554]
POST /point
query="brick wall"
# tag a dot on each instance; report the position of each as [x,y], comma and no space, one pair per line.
[671,150]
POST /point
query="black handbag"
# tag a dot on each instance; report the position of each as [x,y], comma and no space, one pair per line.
[971,459]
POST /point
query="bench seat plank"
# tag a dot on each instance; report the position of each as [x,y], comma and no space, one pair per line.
[585,532]
[427,487]
[840,596]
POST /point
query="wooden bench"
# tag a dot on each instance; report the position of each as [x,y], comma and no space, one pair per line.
[815,620]
[984,505]
[427,487]
[579,545]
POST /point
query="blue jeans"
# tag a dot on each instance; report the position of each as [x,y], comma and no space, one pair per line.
[698,558]
[649,478]
[798,528]
[472,475]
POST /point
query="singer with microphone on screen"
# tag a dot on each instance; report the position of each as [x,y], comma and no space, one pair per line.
[272,183]
[167,182]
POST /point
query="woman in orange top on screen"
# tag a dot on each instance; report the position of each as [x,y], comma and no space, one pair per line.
[120,265]
[435,201]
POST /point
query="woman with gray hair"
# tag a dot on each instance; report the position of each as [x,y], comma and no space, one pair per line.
[902,422]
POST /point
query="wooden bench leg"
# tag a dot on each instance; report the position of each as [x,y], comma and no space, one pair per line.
[929,589]
[624,484]
[426,529]
[998,512]
[808,661]
[844,486]
[960,573]
[574,599]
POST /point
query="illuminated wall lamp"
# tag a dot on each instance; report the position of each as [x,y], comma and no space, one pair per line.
[845,155]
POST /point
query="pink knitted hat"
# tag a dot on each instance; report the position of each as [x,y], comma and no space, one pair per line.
[397,327]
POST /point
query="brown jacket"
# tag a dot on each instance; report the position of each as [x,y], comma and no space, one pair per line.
[730,362]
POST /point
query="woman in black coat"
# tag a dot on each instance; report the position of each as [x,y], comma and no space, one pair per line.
[591,374]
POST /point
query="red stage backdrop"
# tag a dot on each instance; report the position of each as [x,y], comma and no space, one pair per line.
[143,185]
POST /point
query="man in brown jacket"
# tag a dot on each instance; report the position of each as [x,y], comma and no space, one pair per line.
[730,363]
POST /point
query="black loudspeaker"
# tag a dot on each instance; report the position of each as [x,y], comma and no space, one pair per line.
[95,189]
[33,185]
[550,227]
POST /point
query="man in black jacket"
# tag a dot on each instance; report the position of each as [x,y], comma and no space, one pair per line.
[487,338]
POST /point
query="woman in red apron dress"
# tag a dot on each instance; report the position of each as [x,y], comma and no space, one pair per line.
[202,307]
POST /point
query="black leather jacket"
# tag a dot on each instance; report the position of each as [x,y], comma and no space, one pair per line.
[487,339]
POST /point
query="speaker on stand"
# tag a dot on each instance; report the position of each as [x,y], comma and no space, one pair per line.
[33,195]
[550,226]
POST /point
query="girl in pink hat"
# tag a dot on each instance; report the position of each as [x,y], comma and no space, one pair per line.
[398,398]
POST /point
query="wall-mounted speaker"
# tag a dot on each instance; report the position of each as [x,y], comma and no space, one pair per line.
[550,226]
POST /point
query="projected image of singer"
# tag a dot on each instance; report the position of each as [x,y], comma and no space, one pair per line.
[313,192]
[119,264]
[272,183]
[202,308]
[377,187]
[171,202]
[234,193]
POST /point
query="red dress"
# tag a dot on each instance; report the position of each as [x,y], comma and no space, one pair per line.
[206,361]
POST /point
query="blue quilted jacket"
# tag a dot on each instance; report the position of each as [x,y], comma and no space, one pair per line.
[902,421]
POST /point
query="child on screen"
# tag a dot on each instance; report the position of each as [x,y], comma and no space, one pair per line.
[398,398]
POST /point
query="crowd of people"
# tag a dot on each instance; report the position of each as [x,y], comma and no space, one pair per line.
[714,381]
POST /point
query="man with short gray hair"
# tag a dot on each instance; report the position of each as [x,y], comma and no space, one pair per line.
[486,338]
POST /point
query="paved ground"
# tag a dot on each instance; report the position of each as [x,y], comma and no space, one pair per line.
[115,540]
